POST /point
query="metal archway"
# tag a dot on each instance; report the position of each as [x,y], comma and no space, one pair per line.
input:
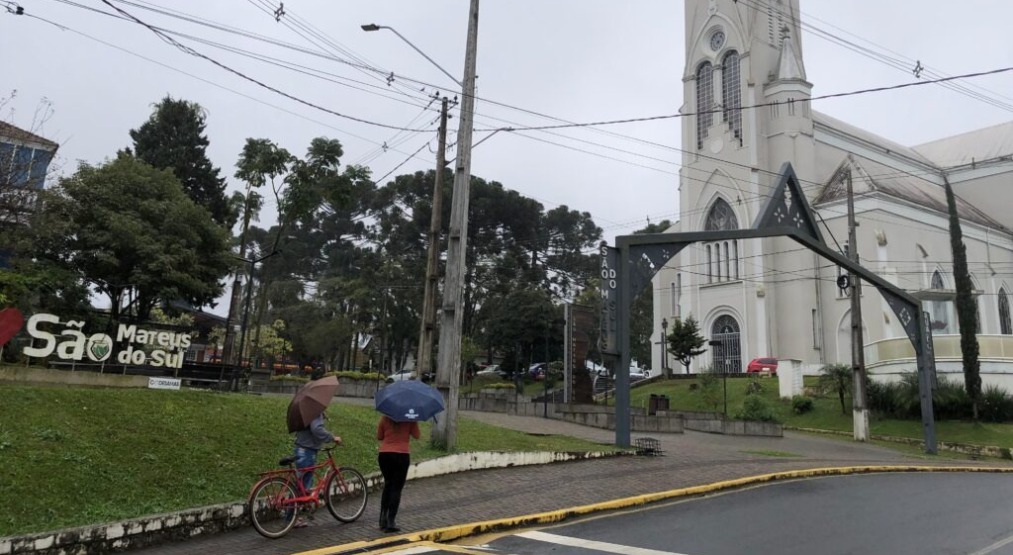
[629,267]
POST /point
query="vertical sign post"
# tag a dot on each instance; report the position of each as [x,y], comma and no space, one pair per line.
[609,337]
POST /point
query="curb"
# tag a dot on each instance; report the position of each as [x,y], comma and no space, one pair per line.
[972,449]
[160,528]
[456,532]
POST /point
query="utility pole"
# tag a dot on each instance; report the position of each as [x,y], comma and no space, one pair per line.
[230,326]
[859,410]
[448,371]
[424,361]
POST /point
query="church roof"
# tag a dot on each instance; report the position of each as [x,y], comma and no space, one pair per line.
[989,143]
[871,139]
[869,176]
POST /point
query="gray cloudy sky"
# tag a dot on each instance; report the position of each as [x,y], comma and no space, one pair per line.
[579,60]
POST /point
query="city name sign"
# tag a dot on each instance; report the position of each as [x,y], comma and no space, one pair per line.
[151,347]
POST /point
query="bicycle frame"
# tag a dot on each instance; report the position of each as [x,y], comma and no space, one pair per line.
[321,475]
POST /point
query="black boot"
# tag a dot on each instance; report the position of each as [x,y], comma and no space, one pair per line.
[391,526]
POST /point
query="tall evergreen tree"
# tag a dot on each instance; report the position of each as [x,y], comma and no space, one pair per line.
[173,138]
[967,312]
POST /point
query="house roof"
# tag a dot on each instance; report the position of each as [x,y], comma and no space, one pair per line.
[16,133]
[988,143]
[869,176]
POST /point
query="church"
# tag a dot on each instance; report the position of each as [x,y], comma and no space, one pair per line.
[748,111]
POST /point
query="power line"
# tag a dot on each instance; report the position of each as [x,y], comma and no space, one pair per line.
[188,50]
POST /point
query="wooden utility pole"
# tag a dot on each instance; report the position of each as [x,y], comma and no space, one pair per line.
[448,371]
[424,361]
[860,411]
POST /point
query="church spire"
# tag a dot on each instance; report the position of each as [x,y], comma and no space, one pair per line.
[789,66]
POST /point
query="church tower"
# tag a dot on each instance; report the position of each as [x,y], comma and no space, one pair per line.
[746,112]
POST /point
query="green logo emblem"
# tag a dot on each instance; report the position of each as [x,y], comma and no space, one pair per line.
[100,346]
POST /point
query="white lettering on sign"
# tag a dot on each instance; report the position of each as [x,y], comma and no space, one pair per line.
[608,337]
[163,383]
[71,343]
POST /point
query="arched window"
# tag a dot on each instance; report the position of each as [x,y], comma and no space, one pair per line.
[725,266]
[726,351]
[1005,325]
[940,309]
[731,94]
[704,101]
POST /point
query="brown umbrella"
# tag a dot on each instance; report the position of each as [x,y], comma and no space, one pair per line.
[309,401]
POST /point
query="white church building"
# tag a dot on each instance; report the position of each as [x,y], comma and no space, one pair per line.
[775,298]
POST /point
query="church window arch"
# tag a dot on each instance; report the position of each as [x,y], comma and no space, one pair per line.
[704,101]
[1005,324]
[940,310]
[723,259]
[731,94]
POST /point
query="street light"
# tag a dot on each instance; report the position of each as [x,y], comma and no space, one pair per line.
[664,348]
[370,27]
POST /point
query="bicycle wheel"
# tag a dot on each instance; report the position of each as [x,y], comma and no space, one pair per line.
[346,494]
[270,507]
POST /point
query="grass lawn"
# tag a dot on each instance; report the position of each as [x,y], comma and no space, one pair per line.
[826,414]
[76,456]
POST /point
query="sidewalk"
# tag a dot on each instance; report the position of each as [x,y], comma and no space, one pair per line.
[690,459]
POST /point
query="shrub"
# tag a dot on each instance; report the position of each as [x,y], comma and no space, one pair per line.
[756,409]
[710,388]
[950,401]
[800,404]
[754,388]
[996,404]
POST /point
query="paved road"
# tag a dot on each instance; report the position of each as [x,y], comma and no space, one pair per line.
[900,514]
[690,459]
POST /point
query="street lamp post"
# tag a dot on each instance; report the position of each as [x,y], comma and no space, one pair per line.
[724,374]
[664,347]
[370,27]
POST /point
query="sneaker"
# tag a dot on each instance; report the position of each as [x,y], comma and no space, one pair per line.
[301,523]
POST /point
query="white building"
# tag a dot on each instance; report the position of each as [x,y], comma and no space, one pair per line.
[773,297]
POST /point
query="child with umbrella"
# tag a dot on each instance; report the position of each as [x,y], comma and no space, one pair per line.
[402,405]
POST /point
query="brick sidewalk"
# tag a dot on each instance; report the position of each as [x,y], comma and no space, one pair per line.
[691,459]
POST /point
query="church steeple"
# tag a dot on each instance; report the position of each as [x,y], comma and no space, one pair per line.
[789,64]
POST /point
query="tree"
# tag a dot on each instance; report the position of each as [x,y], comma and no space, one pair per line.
[837,378]
[684,340]
[967,311]
[130,231]
[173,138]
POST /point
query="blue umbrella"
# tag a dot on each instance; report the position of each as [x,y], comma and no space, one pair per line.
[409,401]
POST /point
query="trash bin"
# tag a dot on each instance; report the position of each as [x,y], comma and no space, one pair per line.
[652,405]
[662,403]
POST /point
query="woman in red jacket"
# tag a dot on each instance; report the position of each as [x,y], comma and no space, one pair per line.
[394,460]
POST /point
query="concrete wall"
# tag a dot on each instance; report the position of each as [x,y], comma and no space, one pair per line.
[38,375]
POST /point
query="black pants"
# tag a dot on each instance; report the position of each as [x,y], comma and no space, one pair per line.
[394,467]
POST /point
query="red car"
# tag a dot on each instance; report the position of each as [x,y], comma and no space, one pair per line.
[762,365]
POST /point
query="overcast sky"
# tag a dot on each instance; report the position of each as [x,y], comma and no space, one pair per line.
[577,60]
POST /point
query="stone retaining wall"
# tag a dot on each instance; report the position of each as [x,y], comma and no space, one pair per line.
[37,375]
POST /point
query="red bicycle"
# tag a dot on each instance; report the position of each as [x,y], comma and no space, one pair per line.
[279,497]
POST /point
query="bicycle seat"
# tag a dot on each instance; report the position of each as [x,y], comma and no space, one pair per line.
[287,461]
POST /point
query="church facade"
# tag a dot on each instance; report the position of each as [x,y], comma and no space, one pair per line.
[748,111]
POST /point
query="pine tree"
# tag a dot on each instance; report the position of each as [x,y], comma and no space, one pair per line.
[173,138]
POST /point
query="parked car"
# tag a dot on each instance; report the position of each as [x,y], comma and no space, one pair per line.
[493,370]
[401,375]
[637,374]
[537,370]
[762,365]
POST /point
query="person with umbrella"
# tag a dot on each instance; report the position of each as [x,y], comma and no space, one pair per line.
[402,405]
[306,415]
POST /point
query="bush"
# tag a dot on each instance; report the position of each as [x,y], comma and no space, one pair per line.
[756,409]
[996,405]
[800,404]
[710,388]
[754,388]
